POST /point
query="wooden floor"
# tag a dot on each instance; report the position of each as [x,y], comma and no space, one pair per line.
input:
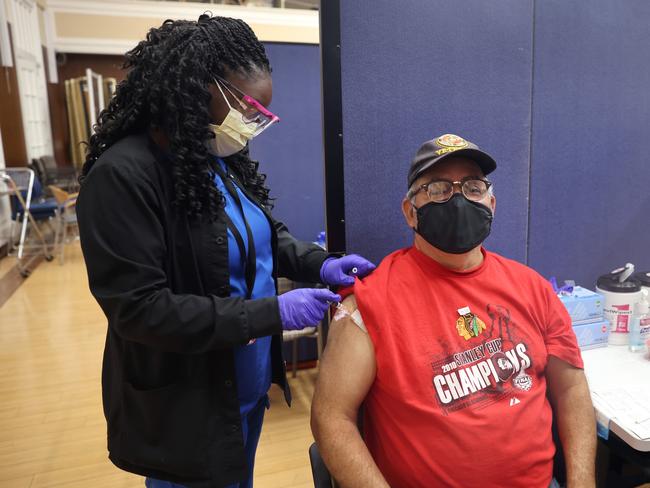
[52,430]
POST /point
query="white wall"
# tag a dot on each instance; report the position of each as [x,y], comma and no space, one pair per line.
[115,26]
[30,70]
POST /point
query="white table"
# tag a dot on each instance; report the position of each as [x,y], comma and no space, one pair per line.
[624,376]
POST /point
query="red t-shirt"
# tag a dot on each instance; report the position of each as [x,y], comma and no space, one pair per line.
[459,398]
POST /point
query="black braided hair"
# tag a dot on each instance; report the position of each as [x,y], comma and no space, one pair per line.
[166,87]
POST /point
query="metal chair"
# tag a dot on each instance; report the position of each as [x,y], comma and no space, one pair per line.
[67,217]
[49,173]
[320,473]
[24,191]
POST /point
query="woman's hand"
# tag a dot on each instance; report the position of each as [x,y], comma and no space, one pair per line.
[341,271]
[305,307]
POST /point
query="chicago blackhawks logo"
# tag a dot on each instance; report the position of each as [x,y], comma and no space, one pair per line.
[468,324]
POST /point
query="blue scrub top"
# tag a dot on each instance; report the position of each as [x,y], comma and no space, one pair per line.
[253,361]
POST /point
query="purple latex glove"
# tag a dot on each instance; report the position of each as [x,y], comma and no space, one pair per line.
[305,307]
[341,271]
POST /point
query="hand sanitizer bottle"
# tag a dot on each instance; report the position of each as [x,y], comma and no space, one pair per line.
[640,326]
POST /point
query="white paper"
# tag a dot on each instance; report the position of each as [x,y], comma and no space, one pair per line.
[630,409]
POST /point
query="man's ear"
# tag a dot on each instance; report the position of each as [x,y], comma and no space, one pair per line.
[493,203]
[410,214]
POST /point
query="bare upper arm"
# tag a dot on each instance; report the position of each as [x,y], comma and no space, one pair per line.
[562,376]
[347,369]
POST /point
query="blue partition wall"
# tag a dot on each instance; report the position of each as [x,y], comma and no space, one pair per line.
[291,152]
[590,194]
[411,70]
[558,92]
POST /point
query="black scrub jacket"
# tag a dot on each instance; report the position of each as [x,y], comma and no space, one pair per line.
[162,280]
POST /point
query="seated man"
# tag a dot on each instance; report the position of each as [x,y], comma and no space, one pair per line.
[452,350]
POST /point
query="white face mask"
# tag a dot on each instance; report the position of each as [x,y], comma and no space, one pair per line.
[232,135]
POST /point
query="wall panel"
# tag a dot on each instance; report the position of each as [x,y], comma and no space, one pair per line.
[412,70]
[590,195]
[291,152]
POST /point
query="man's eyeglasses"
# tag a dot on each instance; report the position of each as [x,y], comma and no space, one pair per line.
[439,191]
[253,112]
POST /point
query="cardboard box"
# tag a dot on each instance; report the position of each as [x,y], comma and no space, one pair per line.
[592,335]
[583,305]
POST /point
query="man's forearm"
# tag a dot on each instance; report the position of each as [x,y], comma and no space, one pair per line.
[577,428]
[345,454]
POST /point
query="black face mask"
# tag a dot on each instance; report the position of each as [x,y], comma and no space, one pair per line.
[455,226]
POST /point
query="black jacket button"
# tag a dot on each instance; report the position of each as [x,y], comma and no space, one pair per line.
[228,383]
[219,240]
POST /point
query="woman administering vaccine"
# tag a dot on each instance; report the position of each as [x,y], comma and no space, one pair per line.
[183,256]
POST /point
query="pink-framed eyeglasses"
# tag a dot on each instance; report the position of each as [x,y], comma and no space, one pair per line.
[253,112]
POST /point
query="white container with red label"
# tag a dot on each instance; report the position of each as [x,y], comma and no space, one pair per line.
[620,298]
[643,277]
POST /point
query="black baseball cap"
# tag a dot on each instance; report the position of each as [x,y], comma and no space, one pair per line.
[444,147]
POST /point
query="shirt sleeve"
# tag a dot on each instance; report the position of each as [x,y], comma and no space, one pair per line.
[560,339]
[298,260]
